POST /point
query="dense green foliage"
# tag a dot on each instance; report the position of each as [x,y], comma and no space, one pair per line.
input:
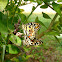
[11,48]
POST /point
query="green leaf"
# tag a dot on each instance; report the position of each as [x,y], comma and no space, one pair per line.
[60,20]
[26,49]
[44,6]
[48,0]
[3,4]
[33,8]
[1,15]
[15,1]
[61,7]
[22,17]
[56,7]
[25,0]
[8,60]
[39,2]
[15,39]
[59,1]
[12,49]
[45,15]
[56,26]
[18,41]
[37,20]
[21,10]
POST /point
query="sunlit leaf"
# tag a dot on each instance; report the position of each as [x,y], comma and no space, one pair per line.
[3,4]
[45,15]
[28,56]
[59,0]
[39,2]
[15,39]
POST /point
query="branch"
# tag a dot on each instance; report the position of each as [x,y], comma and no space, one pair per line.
[48,5]
[52,21]
[49,29]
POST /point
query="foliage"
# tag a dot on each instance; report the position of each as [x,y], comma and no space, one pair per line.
[11,45]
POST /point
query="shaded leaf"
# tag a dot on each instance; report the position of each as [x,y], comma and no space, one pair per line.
[15,1]
[48,0]
[56,26]
[60,20]
[45,15]
[56,7]
[8,60]
[12,49]
[44,6]
[33,8]
[59,27]
[22,17]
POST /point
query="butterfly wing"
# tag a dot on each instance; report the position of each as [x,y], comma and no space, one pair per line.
[30,30]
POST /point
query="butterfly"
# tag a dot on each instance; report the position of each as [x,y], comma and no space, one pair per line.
[30,30]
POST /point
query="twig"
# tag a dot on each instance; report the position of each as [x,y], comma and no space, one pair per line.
[48,5]
[52,21]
